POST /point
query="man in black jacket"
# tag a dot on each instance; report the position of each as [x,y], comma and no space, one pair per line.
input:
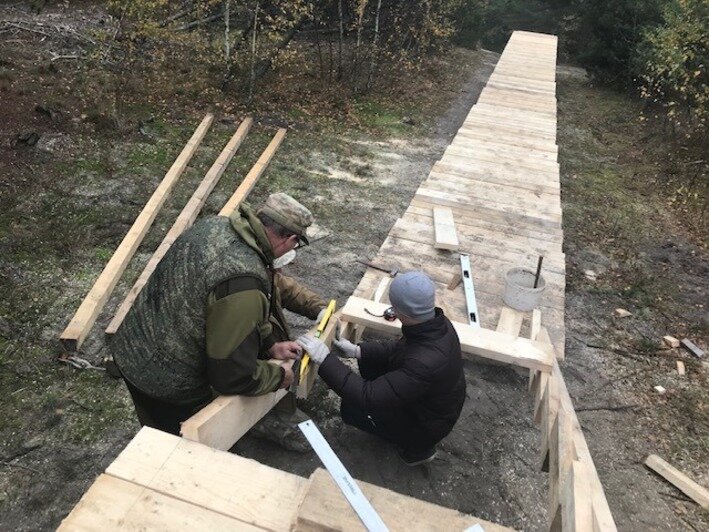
[411,390]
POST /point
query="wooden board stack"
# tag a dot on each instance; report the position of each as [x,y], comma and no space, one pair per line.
[162,482]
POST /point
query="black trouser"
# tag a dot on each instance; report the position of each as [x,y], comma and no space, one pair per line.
[160,414]
[399,427]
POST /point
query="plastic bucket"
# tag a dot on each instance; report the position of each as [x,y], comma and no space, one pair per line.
[520,293]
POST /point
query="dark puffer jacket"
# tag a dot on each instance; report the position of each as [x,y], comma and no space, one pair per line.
[421,373]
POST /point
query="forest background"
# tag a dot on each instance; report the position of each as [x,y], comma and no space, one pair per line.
[320,56]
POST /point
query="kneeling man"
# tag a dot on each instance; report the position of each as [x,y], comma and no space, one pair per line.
[410,391]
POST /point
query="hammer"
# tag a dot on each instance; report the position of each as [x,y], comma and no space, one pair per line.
[392,273]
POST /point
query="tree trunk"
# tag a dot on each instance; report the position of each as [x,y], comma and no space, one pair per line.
[342,36]
[266,64]
[252,78]
[375,53]
[227,50]
[355,59]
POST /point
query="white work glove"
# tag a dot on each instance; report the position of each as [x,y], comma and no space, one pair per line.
[321,315]
[348,349]
[317,350]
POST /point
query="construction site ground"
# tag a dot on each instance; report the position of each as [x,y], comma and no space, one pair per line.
[66,202]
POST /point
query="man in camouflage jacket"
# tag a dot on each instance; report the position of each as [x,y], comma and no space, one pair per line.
[211,315]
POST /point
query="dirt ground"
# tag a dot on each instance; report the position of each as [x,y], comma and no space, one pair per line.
[66,202]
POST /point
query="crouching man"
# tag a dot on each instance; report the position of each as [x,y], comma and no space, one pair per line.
[410,391]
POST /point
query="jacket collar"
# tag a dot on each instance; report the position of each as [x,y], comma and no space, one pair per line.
[252,232]
[427,330]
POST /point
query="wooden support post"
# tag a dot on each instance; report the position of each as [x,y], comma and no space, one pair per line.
[254,174]
[576,512]
[184,220]
[510,321]
[80,325]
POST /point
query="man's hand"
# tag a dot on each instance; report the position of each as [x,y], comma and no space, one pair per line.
[285,350]
[321,315]
[349,350]
[317,350]
[288,376]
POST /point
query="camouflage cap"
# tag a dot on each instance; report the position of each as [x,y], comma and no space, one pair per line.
[283,209]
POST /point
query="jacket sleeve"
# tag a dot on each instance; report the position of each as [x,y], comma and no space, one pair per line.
[238,332]
[377,350]
[393,390]
[297,298]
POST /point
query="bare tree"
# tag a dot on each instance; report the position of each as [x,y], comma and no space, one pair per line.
[375,52]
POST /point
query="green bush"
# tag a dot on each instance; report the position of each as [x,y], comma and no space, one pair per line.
[672,63]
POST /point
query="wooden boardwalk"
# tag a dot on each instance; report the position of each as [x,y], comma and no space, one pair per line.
[500,178]
[498,185]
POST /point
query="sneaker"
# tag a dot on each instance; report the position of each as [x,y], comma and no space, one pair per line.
[282,429]
[414,458]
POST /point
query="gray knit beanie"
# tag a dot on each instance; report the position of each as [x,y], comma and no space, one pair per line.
[413,294]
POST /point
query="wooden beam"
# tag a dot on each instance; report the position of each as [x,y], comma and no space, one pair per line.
[324,508]
[250,180]
[444,229]
[80,325]
[222,422]
[686,485]
[184,220]
[474,340]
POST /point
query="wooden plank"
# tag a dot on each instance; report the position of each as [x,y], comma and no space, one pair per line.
[461,173]
[473,340]
[472,237]
[480,207]
[504,221]
[466,145]
[538,237]
[115,504]
[539,119]
[508,126]
[686,485]
[692,347]
[501,138]
[525,201]
[444,228]
[254,174]
[221,482]
[325,508]
[542,170]
[79,326]
[186,218]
